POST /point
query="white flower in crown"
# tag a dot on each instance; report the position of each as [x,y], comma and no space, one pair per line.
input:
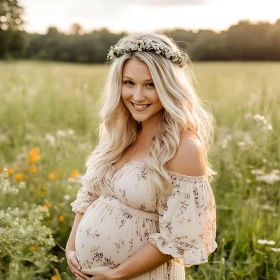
[141,45]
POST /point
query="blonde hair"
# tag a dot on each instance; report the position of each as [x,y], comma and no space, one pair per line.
[183,111]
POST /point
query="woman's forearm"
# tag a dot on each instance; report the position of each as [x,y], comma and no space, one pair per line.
[70,246]
[144,260]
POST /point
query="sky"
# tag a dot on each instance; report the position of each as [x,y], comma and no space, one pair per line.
[145,15]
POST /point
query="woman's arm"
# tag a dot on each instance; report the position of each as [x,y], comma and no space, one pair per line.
[70,246]
[144,260]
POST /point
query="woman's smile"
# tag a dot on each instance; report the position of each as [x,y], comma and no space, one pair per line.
[139,107]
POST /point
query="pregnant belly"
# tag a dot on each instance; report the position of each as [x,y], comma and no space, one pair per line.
[110,232]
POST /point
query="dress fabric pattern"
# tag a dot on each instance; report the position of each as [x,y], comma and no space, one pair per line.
[125,214]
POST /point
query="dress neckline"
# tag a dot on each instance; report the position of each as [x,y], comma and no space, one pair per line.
[143,165]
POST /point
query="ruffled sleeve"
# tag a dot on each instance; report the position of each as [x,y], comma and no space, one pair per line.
[187,220]
[86,195]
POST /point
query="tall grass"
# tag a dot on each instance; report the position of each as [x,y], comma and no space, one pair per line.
[48,126]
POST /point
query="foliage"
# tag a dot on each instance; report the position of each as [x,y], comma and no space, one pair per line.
[12,40]
[24,239]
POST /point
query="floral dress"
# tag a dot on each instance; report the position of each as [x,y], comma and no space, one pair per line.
[126,214]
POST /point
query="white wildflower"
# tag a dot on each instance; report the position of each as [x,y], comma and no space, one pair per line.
[262,241]
[267,242]
[70,131]
[270,242]
[259,118]
[66,197]
[257,171]
[275,249]
[261,121]
[269,178]
[50,139]
[267,207]
[60,133]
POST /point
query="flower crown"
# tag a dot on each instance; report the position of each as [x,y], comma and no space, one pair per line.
[148,45]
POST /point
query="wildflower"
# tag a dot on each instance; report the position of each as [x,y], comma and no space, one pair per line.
[55,277]
[246,144]
[275,249]
[47,205]
[60,133]
[66,197]
[33,155]
[70,131]
[267,242]
[19,177]
[74,174]
[34,248]
[61,219]
[50,139]
[52,176]
[267,207]
[257,171]
[45,187]
[261,121]
[10,171]
[269,178]
[33,170]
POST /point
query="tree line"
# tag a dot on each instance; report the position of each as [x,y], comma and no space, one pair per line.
[242,41]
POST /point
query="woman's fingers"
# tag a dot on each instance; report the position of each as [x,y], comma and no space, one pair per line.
[72,257]
[79,278]
[74,265]
[75,271]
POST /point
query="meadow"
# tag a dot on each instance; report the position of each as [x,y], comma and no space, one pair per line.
[49,120]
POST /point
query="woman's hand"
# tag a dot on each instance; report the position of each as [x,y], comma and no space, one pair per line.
[75,267]
[101,273]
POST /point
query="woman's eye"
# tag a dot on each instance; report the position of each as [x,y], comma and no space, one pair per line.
[127,82]
[151,84]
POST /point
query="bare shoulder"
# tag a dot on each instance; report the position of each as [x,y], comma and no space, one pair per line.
[189,158]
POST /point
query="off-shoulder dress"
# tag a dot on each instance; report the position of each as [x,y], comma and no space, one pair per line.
[127,214]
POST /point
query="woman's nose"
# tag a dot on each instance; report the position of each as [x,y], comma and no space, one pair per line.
[138,94]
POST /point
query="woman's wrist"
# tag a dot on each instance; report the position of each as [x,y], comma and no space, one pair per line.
[69,248]
[117,274]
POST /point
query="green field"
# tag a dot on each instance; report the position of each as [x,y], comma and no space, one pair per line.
[49,117]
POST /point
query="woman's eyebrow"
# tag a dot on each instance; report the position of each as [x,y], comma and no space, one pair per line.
[132,79]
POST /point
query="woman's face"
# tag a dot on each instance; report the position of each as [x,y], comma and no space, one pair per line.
[138,89]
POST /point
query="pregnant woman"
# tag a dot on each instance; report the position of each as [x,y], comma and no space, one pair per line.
[145,209]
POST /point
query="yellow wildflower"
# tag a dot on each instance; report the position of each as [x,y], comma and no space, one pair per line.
[45,187]
[47,205]
[33,170]
[52,176]
[74,173]
[33,155]
[19,177]
[10,171]
[34,248]
[61,218]
[55,277]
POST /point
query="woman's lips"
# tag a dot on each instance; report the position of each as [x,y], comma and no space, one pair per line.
[140,109]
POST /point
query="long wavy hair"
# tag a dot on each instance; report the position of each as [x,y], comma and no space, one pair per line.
[184,110]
